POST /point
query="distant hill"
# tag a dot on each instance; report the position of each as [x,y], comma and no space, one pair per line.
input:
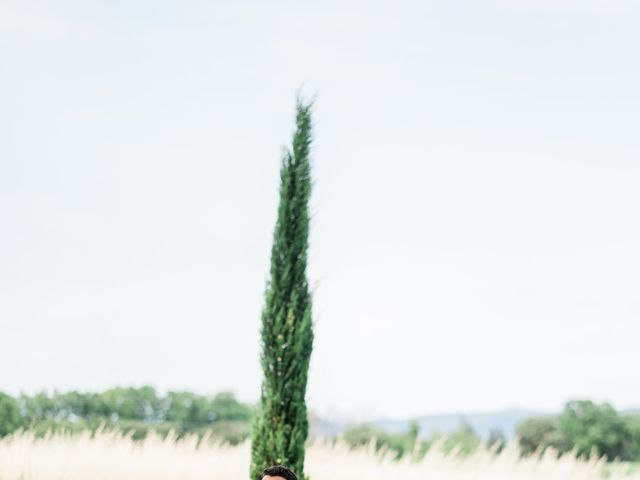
[505,421]
[324,428]
[482,423]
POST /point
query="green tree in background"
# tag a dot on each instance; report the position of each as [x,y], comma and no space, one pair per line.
[462,440]
[587,426]
[538,433]
[129,409]
[10,418]
[400,443]
[280,426]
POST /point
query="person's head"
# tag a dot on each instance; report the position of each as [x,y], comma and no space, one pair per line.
[278,472]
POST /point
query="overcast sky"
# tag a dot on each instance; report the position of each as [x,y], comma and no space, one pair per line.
[475,241]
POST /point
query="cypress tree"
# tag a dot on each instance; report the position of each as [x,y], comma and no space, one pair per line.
[280,425]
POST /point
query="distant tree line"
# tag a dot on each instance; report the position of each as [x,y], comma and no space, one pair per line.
[128,409]
[585,427]
[462,441]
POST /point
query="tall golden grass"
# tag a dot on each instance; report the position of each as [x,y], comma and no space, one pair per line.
[115,456]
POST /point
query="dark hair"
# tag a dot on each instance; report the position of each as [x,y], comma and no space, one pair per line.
[280,471]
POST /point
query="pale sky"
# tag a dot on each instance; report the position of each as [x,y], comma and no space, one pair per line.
[475,241]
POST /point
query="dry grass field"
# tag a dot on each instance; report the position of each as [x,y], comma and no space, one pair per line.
[113,456]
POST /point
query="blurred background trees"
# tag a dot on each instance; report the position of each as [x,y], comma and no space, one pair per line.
[540,432]
[128,409]
[582,425]
[10,418]
[585,427]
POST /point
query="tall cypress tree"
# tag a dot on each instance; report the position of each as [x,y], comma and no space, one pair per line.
[280,426]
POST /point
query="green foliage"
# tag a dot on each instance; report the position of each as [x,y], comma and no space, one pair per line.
[135,410]
[462,441]
[225,407]
[360,435]
[633,445]
[130,403]
[539,433]
[585,427]
[191,411]
[280,427]
[10,419]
